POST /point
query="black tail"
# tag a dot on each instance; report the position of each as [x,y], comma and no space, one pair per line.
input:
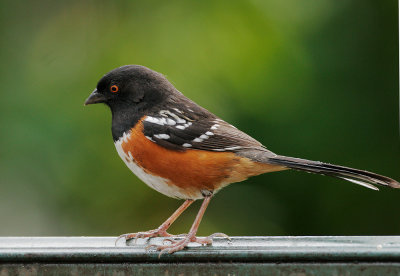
[364,178]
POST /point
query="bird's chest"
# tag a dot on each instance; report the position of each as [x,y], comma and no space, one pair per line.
[185,175]
[158,183]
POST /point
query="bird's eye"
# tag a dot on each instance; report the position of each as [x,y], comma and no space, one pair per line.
[114,88]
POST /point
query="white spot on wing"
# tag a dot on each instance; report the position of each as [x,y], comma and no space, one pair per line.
[163,121]
[162,136]
[180,121]
[154,120]
[214,127]
[197,140]
[209,133]
[233,148]
[186,145]
[228,148]
[151,139]
[171,122]
[180,127]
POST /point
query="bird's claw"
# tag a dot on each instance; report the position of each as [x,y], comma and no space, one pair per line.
[182,243]
[142,235]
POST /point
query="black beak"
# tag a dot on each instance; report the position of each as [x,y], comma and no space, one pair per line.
[95,97]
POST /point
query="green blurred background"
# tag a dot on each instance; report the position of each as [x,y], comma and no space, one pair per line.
[314,79]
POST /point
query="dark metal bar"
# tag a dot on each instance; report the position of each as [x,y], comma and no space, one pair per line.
[68,250]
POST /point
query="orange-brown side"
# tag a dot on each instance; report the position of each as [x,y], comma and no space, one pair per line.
[191,170]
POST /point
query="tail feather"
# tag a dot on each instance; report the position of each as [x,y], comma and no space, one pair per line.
[364,178]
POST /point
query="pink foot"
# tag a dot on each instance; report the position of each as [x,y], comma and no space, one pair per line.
[146,234]
[181,244]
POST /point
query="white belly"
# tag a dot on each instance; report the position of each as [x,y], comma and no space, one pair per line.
[157,183]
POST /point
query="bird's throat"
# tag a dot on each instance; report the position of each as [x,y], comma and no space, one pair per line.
[123,121]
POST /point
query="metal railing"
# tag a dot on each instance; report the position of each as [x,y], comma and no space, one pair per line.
[241,255]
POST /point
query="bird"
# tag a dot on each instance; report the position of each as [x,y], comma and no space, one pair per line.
[184,151]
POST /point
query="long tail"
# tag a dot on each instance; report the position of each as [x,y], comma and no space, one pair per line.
[364,178]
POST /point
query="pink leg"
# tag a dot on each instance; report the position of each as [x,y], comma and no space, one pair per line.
[191,236]
[161,231]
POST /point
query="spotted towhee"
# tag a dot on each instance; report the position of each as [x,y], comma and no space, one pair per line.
[184,151]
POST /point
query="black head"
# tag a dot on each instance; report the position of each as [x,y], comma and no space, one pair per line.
[131,91]
[129,86]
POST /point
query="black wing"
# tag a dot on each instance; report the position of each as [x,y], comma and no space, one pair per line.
[180,130]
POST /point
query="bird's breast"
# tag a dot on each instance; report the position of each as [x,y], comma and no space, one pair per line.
[182,174]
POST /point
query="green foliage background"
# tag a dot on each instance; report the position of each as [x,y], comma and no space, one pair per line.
[313,79]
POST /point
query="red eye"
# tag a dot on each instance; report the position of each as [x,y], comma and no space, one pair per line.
[114,88]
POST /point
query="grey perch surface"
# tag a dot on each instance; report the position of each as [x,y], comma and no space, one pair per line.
[243,249]
[241,255]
